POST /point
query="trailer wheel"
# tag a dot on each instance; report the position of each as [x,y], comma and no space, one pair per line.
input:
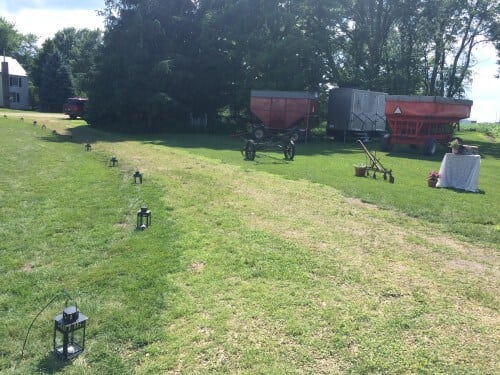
[295,136]
[250,150]
[258,132]
[430,146]
[289,151]
[385,143]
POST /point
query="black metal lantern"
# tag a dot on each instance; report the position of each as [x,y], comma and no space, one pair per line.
[143,218]
[113,161]
[88,147]
[138,177]
[69,333]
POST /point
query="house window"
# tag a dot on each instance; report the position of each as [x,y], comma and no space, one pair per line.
[15,81]
[14,97]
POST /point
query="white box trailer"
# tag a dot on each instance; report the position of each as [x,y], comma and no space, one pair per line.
[355,111]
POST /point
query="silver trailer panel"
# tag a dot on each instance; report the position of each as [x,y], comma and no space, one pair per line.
[353,110]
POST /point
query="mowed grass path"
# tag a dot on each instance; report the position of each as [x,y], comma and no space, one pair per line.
[241,272]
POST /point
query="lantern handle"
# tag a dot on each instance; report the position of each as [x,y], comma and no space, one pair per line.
[68,297]
[42,310]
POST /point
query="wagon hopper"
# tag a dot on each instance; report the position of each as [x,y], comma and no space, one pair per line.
[423,121]
[277,112]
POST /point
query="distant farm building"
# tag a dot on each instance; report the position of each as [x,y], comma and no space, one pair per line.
[14,92]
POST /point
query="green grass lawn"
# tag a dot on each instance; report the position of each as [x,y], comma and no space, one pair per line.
[473,216]
[249,267]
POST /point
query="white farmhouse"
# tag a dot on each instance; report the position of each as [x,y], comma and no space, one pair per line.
[14,92]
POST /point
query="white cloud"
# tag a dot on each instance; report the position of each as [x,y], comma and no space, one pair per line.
[44,23]
[485,89]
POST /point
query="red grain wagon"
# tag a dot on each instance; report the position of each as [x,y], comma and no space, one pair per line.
[423,121]
[282,111]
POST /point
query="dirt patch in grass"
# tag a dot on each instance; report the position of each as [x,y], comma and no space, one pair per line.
[197,267]
[465,265]
[28,267]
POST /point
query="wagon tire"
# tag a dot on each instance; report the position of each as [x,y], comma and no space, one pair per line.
[289,151]
[250,150]
[430,146]
[385,143]
[258,132]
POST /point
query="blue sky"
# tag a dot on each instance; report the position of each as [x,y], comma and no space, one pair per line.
[45,17]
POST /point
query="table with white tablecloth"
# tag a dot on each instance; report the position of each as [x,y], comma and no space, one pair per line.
[459,172]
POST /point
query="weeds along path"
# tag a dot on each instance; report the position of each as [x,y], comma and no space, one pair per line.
[341,254]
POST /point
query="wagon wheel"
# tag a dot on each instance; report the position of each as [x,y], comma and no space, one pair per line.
[385,143]
[250,150]
[258,132]
[294,137]
[289,151]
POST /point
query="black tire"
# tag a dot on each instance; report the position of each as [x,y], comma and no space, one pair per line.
[385,143]
[72,117]
[250,150]
[430,146]
[258,132]
[289,151]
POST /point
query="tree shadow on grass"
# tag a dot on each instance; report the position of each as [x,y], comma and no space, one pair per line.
[318,145]
[262,158]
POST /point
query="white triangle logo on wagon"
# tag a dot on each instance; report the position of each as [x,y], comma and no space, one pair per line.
[398,110]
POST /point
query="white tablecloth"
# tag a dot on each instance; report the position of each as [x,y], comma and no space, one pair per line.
[459,172]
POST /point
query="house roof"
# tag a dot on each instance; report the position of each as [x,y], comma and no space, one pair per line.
[15,69]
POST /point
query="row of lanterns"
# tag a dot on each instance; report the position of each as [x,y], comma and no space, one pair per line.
[144,214]
[70,326]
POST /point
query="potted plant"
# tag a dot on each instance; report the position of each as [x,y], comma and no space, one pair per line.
[360,170]
[432,178]
[455,146]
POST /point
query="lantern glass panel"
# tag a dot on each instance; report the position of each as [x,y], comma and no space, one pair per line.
[69,334]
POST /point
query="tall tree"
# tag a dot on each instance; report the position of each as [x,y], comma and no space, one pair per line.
[78,49]
[144,71]
[55,83]
[18,45]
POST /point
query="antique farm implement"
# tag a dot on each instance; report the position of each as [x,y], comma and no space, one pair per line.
[374,165]
[280,118]
[281,142]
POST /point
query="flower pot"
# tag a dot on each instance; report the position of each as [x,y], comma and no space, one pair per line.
[360,171]
[432,183]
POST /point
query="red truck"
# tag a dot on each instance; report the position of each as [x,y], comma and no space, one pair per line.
[74,107]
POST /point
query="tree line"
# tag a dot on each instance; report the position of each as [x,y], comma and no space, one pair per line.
[160,63]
